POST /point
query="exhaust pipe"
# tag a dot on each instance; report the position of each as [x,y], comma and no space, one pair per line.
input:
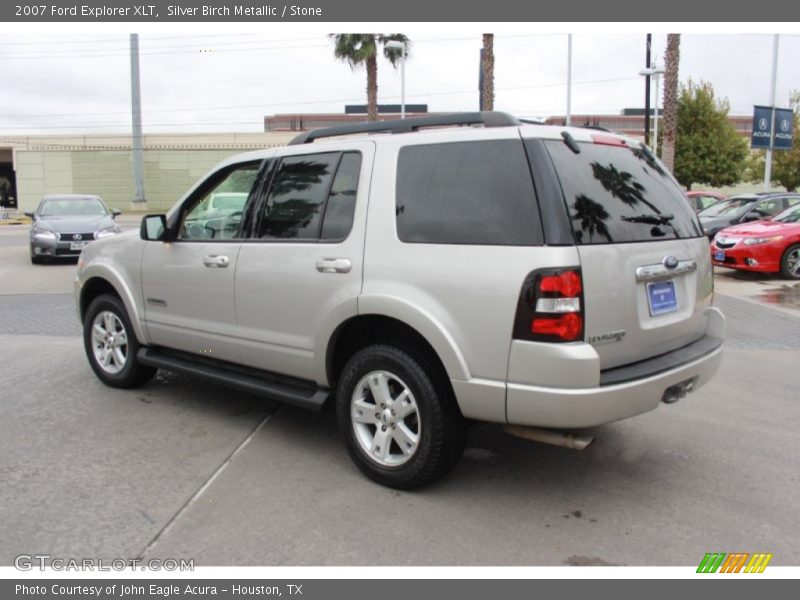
[550,436]
[675,392]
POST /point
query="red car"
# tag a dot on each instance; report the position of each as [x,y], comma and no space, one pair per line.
[771,246]
[702,200]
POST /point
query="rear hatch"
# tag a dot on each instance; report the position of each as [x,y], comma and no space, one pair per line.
[645,262]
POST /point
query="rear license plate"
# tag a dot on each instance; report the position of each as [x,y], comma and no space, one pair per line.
[719,255]
[661,297]
[77,245]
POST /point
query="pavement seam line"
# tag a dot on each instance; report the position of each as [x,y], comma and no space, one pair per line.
[165,529]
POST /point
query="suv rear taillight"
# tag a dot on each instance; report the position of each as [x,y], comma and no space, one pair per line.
[550,307]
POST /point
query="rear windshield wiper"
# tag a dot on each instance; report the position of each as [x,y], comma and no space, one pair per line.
[649,219]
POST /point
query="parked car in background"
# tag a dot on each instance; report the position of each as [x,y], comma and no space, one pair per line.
[62,225]
[744,208]
[702,200]
[769,246]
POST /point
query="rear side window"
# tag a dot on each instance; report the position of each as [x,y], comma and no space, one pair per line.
[618,194]
[466,193]
[342,199]
[312,196]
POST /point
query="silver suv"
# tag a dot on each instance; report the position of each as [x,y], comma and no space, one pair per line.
[544,278]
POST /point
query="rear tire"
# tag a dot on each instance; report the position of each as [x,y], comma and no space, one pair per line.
[399,421]
[790,262]
[111,345]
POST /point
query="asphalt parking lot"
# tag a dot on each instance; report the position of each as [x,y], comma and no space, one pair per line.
[184,469]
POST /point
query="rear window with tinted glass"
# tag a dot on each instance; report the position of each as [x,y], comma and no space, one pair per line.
[617,195]
[478,192]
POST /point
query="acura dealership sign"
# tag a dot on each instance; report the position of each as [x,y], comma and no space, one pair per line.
[762,128]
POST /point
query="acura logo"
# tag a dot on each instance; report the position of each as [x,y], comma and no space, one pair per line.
[77,237]
[670,262]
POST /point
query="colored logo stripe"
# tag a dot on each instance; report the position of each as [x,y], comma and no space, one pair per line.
[758,563]
[734,562]
[711,562]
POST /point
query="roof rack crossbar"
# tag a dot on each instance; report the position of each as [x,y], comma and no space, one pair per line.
[485,118]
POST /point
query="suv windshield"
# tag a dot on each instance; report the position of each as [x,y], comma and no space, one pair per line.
[72,207]
[618,194]
[732,207]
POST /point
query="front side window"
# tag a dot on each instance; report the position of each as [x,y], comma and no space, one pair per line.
[218,213]
[478,192]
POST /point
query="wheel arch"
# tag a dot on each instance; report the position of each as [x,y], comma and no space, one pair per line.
[366,329]
[98,284]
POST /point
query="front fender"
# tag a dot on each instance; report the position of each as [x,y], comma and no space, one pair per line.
[126,288]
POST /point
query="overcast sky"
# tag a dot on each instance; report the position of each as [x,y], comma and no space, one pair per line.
[194,82]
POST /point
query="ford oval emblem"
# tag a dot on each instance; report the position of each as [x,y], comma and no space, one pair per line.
[670,262]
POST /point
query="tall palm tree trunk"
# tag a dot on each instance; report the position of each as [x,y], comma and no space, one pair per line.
[671,100]
[487,69]
[372,88]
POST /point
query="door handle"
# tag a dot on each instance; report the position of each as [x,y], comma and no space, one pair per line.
[216,260]
[334,265]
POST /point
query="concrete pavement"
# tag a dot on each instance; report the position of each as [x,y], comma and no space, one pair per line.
[183,469]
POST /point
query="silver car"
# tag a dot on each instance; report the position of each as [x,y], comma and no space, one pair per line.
[543,278]
[64,224]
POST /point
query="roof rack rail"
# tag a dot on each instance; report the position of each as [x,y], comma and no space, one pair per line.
[596,128]
[485,118]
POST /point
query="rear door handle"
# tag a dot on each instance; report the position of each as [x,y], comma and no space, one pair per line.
[334,265]
[217,261]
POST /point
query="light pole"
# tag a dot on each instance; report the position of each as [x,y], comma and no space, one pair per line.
[656,72]
[395,45]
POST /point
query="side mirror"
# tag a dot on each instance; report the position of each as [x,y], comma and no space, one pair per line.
[153,228]
[752,216]
[115,212]
[29,214]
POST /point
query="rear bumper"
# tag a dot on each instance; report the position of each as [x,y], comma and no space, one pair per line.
[590,397]
[587,407]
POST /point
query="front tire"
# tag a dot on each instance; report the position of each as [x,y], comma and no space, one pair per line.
[790,262]
[111,344]
[398,419]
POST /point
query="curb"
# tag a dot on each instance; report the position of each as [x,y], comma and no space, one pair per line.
[20,221]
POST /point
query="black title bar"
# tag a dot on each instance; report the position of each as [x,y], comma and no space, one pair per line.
[363,11]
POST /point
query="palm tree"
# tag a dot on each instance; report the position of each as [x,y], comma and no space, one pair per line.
[671,100]
[487,72]
[362,48]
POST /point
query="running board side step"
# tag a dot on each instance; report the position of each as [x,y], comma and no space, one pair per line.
[268,385]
